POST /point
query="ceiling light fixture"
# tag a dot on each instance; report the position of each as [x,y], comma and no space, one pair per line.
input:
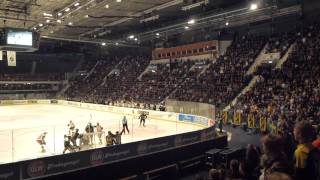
[192,21]
[119,1]
[66,10]
[59,14]
[186,27]
[48,20]
[107,6]
[70,23]
[131,36]
[76,4]
[103,44]
[47,14]
[40,24]
[58,21]
[253,6]
[157,34]
[227,23]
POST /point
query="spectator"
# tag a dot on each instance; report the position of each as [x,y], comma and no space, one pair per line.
[274,158]
[233,172]
[304,135]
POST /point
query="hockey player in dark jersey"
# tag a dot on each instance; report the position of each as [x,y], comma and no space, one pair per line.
[143,118]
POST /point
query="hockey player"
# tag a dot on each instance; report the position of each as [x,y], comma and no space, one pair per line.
[117,138]
[42,142]
[75,135]
[125,125]
[99,129]
[89,130]
[67,144]
[109,139]
[143,118]
[71,125]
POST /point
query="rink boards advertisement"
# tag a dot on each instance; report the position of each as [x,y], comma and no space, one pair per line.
[9,171]
[76,161]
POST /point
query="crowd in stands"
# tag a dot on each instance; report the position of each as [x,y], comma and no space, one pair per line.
[159,82]
[81,86]
[291,155]
[280,43]
[291,93]
[118,83]
[26,87]
[226,76]
[32,77]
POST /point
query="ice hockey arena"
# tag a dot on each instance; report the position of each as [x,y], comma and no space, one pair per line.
[160,89]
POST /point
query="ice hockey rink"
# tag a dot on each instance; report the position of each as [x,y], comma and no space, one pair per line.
[21,125]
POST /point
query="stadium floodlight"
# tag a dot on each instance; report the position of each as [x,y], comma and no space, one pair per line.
[131,37]
[66,10]
[186,27]
[47,14]
[103,44]
[253,6]
[191,21]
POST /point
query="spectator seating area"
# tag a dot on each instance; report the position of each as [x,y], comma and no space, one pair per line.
[34,77]
[225,78]
[157,84]
[81,86]
[292,92]
[117,85]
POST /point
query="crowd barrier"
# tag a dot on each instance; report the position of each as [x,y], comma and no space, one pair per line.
[71,162]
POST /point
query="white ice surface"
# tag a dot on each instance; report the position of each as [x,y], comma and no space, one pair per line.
[20,126]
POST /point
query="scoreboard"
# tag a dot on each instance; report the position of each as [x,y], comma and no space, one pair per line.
[19,40]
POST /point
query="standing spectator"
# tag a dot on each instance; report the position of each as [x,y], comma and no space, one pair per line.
[274,158]
[233,172]
[304,155]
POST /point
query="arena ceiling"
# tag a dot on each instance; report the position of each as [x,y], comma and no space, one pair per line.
[103,19]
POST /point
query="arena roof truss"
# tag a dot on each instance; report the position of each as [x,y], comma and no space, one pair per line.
[112,21]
